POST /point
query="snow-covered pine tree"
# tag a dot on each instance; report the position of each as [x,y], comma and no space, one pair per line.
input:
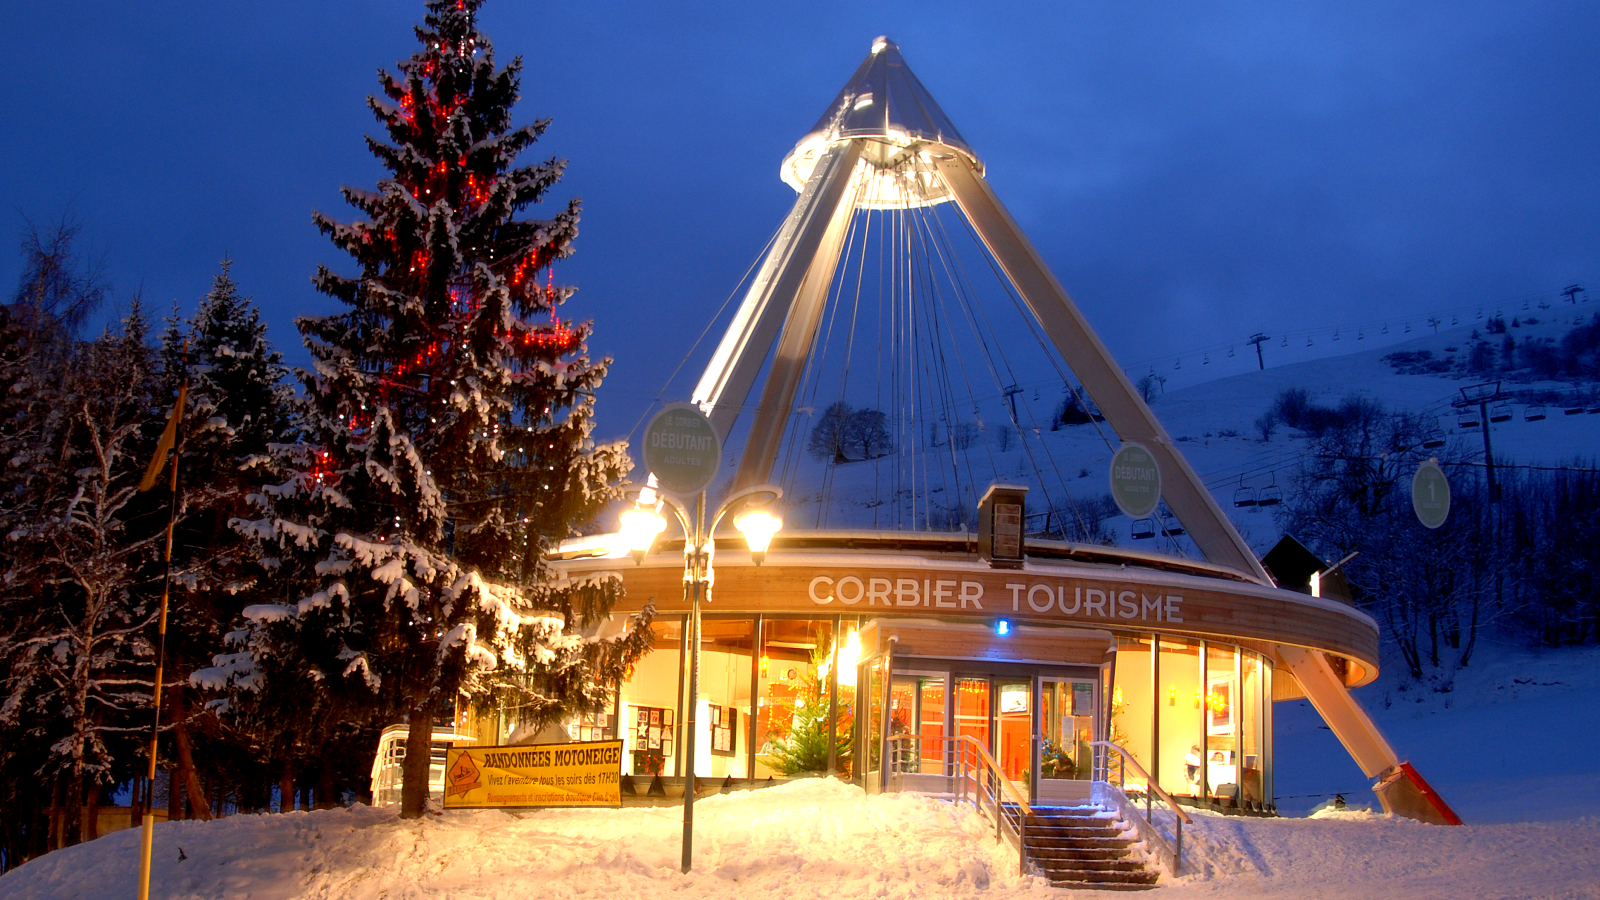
[238,404]
[448,419]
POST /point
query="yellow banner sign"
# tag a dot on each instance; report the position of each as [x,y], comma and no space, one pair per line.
[579,774]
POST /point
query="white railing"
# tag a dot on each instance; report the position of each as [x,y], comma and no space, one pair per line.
[963,768]
[1160,828]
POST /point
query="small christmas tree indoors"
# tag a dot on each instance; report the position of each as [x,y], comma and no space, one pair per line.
[447,422]
[804,748]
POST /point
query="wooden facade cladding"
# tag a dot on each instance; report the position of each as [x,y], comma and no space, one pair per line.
[1124,599]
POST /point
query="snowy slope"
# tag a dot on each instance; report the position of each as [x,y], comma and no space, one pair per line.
[810,839]
[1516,738]
[1213,424]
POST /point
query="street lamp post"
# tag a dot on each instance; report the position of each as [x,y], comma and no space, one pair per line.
[641,525]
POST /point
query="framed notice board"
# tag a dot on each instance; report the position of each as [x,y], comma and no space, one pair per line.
[724,730]
[651,728]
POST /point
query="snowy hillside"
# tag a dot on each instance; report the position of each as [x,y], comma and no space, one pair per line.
[1213,423]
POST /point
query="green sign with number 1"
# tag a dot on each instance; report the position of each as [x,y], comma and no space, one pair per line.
[1430,494]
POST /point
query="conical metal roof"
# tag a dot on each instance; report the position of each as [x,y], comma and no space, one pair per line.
[884,104]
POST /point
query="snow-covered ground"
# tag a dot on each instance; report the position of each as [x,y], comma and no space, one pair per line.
[1516,738]
[809,839]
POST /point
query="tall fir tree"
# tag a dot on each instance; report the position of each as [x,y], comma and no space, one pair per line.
[239,404]
[448,419]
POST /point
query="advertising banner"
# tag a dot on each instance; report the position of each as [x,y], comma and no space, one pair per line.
[578,774]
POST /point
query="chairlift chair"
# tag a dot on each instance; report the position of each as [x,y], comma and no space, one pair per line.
[1270,495]
[1144,529]
[1467,420]
[1533,414]
[1433,440]
[1244,496]
[1574,411]
[1500,412]
[1171,526]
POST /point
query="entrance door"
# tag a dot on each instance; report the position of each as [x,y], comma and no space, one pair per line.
[1067,713]
[1014,730]
[916,748]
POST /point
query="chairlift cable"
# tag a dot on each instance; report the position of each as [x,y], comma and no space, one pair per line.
[703,332]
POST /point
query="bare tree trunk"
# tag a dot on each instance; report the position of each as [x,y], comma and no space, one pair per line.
[136,799]
[325,788]
[90,827]
[1472,628]
[419,753]
[286,787]
[58,815]
[175,794]
[199,806]
[71,814]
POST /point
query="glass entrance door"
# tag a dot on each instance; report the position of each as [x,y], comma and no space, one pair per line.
[1066,726]
[1014,730]
[916,730]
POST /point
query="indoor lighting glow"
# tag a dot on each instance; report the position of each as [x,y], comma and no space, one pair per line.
[1002,628]
[758,527]
[849,658]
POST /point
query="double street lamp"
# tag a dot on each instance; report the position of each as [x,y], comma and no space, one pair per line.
[642,524]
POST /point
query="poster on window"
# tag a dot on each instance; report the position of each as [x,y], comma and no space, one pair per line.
[1219,705]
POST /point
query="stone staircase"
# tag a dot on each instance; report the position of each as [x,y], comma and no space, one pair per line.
[1085,848]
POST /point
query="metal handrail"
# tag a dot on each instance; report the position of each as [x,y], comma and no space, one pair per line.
[1171,852]
[955,766]
[1150,782]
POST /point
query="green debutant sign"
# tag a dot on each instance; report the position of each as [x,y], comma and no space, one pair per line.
[1135,481]
[1430,494]
[682,450]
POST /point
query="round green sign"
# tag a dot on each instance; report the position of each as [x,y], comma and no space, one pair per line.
[1135,481]
[682,450]
[1430,494]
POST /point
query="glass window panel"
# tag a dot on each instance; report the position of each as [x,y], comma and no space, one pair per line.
[1250,750]
[931,716]
[792,711]
[903,754]
[1178,710]
[721,726]
[1222,721]
[874,730]
[1130,708]
[1014,750]
[972,713]
[649,704]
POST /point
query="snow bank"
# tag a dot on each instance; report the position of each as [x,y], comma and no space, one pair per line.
[1361,854]
[1512,738]
[814,838]
[810,839]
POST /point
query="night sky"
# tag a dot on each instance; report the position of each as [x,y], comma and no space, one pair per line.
[1191,175]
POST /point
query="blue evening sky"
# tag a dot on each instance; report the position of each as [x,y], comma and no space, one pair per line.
[1192,172]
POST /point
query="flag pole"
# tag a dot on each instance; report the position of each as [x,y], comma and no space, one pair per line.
[169,440]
